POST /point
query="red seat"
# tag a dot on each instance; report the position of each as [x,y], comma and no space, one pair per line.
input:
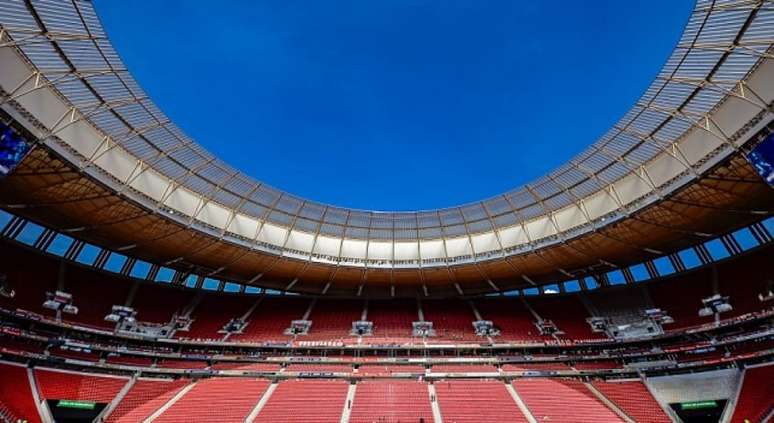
[217,399]
[299,401]
[756,399]
[634,399]
[562,400]
[59,384]
[391,401]
[145,397]
[474,401]
[16,394]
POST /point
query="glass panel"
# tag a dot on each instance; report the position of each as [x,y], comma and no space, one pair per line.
[231,287]
[115,262]
[690,258]
[591,283]
[531,291]
[745,239]
[140,269]
[88,254]
[572,286]
[716,249]
[60,244]
[29,234]
[5,217]
[165,275]
[769,225]
[639,272]
[664,266]
[210,284]
[616,277]
[190,281]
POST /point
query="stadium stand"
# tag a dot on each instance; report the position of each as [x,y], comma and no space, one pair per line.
[568,314]
[392,321]
[683,300]
[35,278]
[756,397]
[473,401]
[393,400]
[16,395]
[387,370]
[72,354]
[463,368]
[217,399]
[332,320]
[298,401]
[144,398]
[535,366]
[322,368]
[130,360]
[452,320]
[157,304]
[634,399]
[181,364]
[212,313]
[256,367]
[596,365]
[585,406]
[268,321]
[93,308]
[65,385]
[512,318]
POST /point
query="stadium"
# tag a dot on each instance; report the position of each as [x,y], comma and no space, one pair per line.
[142,279]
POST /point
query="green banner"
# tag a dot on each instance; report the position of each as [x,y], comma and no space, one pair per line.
[698,405]
[82,405]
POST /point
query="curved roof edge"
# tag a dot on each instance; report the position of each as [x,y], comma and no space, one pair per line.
[62,70]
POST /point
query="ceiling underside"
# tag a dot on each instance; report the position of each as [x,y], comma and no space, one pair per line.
[46,189]
[111,169]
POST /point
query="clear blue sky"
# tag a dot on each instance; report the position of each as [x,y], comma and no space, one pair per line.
[399,104]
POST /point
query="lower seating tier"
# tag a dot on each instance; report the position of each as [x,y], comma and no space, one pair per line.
[66,385]
[391,401]
[217,399]
[550,400]
[474,401]
[634,399]
[756,398]
[144,398]
[16,394]
[299,401]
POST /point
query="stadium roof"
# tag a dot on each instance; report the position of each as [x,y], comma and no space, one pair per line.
[88,108]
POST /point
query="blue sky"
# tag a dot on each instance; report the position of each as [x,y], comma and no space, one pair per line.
[395,105]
